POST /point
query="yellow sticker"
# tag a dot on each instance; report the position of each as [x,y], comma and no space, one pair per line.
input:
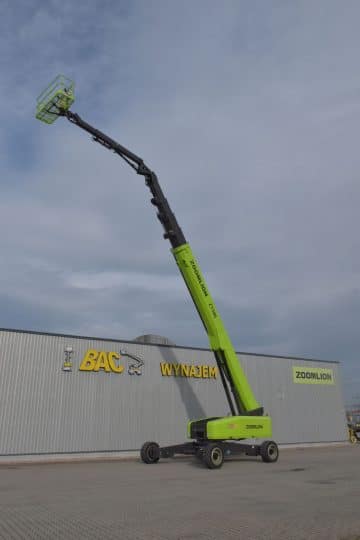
[312,375]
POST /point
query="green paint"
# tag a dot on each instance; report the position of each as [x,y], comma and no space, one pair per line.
[218,336]
[59,95]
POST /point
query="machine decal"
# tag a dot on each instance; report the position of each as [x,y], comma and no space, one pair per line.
[199,277]
[312,375]
[188,370]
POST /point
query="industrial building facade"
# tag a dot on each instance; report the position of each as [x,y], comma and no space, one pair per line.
[62,394]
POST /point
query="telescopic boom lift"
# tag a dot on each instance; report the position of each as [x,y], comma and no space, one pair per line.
[212,439]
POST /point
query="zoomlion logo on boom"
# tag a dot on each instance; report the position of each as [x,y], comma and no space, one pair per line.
[303,375]
[199,278]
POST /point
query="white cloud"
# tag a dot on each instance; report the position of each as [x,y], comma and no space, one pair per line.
[126,280]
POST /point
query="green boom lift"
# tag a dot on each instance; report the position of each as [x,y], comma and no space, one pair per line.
[212,439]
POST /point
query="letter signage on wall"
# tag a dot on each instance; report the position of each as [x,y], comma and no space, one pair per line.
[96,360]
[111,362]
[312,375]
[188,370]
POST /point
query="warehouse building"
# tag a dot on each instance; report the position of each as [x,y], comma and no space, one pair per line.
[62,393]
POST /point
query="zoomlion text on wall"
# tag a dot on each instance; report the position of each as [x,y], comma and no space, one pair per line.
[313,375]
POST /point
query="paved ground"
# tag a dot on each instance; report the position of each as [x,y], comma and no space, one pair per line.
[308,494]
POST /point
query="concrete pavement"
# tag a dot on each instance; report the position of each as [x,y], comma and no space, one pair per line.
[311,493]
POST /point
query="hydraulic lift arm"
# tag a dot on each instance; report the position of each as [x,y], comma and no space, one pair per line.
[239,393]
[247,418]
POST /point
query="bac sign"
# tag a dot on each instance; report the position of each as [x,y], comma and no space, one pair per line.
[95,360]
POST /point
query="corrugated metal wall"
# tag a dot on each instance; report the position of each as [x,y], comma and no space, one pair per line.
[44,409]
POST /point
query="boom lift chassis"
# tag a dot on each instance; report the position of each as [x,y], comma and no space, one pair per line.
[212,453]
[213,439]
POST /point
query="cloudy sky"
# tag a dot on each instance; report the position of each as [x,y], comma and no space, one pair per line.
[248,111]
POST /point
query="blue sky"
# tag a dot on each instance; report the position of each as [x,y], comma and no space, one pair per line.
[248,112]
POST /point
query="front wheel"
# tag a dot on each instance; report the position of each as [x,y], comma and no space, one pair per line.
[150,452]
[269,451]
[213,456]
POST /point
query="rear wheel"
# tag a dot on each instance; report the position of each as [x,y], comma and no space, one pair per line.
[269,451]
[150,452]
[213,456]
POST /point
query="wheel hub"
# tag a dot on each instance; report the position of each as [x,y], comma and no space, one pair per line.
[216,456]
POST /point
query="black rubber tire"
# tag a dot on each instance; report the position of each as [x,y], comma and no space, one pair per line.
[213,456]
[150,452]
[269,451]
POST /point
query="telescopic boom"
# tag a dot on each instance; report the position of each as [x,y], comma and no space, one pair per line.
[242,399]
[248,420]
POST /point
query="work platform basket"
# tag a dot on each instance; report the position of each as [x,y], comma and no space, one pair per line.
[58,96]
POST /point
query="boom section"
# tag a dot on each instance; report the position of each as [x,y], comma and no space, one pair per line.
[220,342]
[238,391]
